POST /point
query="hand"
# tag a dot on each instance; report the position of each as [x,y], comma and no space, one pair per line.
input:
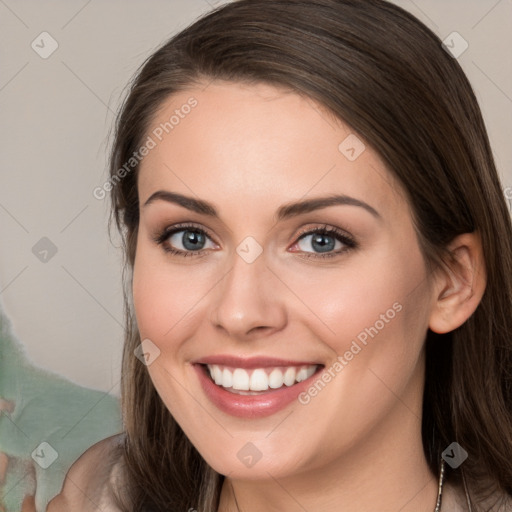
[29,504]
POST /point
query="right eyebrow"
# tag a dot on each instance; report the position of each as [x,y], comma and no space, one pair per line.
[190,203]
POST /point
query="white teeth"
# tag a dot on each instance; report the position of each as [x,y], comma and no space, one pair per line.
[240,379]
[217,375]
[304,374]
[311,371]
[275,379]
[260,379]
[289,376]
[227,378]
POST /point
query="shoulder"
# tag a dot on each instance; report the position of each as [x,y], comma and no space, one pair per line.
[86,484]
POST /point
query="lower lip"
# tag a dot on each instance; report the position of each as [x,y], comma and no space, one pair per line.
[252,406]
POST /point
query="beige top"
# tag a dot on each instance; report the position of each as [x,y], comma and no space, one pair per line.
[105,501]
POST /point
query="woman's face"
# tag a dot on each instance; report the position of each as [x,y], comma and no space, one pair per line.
[253,280]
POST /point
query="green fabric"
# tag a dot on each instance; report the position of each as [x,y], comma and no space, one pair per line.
[51,409]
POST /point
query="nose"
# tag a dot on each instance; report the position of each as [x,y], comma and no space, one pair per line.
[247,302]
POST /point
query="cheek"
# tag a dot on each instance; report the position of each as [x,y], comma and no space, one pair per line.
[377,316]
[381,292]
[379,319]
[164,296]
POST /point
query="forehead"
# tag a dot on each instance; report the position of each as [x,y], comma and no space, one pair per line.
[261,145]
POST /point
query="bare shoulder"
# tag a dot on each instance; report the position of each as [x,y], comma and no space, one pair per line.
[84,487]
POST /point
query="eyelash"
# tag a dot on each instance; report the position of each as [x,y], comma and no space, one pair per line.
[345,239]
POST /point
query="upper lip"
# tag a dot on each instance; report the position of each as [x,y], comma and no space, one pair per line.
[251,362]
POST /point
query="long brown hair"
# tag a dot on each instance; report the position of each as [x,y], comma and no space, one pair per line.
[380,70]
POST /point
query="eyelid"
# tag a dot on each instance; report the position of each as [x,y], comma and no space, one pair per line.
[161,236]
[340,234]
[324,228]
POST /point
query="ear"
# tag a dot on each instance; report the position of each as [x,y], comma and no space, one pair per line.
[459,286]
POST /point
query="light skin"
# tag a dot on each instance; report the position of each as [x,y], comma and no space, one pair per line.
[248,150]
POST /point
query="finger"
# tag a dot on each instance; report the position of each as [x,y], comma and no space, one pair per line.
[6,405]
[4,462]
[29,504]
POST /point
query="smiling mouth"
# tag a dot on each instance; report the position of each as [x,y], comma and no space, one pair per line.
[256,381]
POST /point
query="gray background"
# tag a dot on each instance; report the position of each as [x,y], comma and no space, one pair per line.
[56,116]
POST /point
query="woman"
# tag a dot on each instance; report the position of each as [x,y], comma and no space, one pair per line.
[319,270]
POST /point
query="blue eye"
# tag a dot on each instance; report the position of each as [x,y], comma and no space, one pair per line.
[324,241]
[193,240]
[190,237]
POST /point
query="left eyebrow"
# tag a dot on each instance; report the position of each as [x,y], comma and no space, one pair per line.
[298,208]
[284,212]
